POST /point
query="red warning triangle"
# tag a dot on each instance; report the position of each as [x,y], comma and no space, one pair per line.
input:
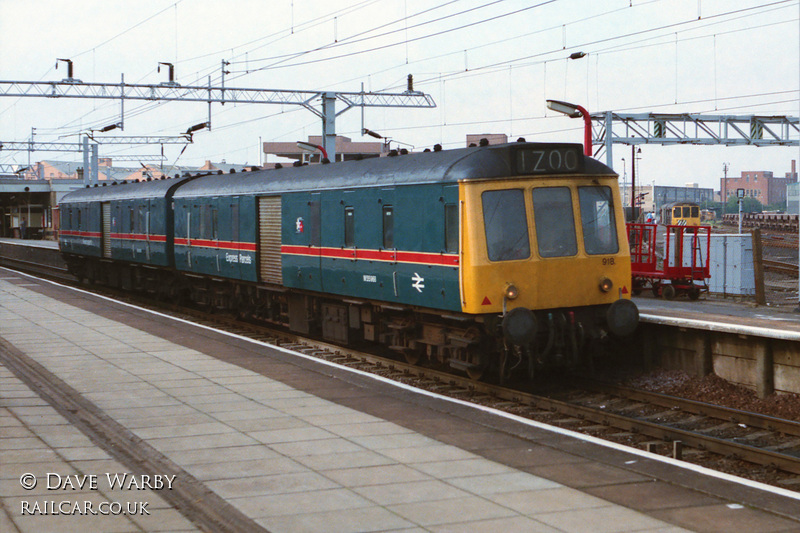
[624,290]
[486,301]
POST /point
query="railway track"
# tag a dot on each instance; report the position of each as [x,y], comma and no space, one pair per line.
[781,267]
[663,424]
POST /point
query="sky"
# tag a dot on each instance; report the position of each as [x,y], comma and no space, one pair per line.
[489,65]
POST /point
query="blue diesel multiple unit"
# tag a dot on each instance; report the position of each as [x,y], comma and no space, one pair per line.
[444,254]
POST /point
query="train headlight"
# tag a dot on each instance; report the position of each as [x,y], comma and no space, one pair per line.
[512,292]
[606,285]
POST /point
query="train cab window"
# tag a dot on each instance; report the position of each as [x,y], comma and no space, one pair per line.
[506,225]
[695,211]
[597,220]
[451,228]
[349,226]
[388,227]
[555,223]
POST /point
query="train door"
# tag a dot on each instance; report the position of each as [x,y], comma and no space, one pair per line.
[269,239]
[144,228]
[233,255]
[315,231]
[451,277]
[105,236]
[190,234]
[214,215]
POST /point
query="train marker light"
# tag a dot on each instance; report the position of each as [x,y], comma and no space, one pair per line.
[606,285]
[511,292]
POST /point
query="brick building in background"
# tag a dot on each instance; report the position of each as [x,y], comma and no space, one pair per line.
[761,185]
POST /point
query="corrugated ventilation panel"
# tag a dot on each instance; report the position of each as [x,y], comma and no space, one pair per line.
[106,239]
[269,234]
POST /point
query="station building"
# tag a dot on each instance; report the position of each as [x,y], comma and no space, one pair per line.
[346,150]
[651,197]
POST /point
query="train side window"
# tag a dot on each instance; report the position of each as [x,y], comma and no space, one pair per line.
[597,219]
[349,226]
[215,224]
[142,221]
[555,222]
[451,228]
[314,222]
[205,222]
[235,222]
[506,225]
[388,227]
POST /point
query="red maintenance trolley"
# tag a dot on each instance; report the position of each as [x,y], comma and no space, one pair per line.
[670,260]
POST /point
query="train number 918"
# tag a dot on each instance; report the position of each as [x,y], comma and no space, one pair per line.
[560,160]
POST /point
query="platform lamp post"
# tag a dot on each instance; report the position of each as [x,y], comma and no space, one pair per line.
[308,147]
[575,111]
[740,197]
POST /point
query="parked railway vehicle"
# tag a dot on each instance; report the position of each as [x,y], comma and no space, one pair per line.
[680,214]
[484,258]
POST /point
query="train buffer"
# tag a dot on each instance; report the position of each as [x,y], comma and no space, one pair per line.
[670,260]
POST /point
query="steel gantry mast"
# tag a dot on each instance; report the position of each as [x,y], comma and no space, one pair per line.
[90,155]
[171,91]
[684,128]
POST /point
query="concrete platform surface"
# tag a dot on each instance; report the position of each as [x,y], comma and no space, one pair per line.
[294,445]
[36,243]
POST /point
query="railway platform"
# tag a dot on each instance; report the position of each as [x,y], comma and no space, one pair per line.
[220,433]
[715,313]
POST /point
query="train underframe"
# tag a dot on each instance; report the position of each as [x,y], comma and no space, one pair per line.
[478,345]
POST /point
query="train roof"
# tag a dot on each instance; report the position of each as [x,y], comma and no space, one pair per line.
[680,203]
[446,166]
[127,190]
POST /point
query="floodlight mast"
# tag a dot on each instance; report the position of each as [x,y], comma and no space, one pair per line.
[575,111]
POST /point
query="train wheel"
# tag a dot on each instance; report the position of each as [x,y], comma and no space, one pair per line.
[412,356]
[668,292]
[694,293]
[476,373]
